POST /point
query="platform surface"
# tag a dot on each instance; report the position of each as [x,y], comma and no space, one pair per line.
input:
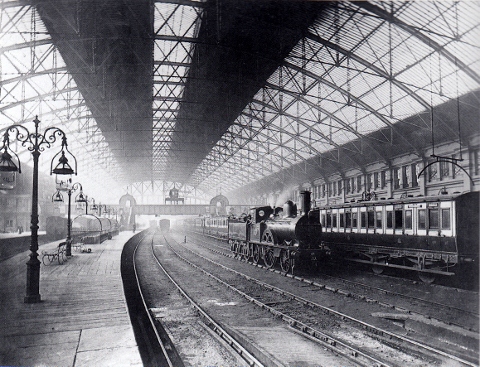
[83,318]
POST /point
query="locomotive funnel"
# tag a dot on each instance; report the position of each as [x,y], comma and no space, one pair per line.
[306,204]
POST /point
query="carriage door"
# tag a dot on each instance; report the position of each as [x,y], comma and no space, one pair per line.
[419,219]
[363,220]
[446,218]
[389,225]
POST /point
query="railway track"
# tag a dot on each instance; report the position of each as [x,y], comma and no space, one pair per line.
[437,311]
[470,360]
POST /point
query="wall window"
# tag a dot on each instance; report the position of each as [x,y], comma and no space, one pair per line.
[444,170]
[383,179]
[456,170]
[340,187]
[376,183]
[359,183]
[396,178]
[405,175]
[354,186]
[342,220]
[432,172]
[414,170]
[369,182]
[348,186]
[324,190]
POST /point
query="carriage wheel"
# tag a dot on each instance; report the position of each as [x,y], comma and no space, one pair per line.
[256,254]
[378,269]
[285,261]
[427,278]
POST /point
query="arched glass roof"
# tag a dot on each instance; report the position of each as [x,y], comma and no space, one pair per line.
[361,67]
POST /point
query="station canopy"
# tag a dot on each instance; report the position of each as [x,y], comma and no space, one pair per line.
[229,96]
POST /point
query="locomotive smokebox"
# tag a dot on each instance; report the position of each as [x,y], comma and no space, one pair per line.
[306,204]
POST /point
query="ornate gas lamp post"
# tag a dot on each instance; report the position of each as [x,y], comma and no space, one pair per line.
[80,198]
[35,143]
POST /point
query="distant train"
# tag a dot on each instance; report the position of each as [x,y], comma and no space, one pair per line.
[86,228]
[164,225]
[431,235]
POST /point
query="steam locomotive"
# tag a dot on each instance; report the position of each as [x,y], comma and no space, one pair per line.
[270,234]
[431,235]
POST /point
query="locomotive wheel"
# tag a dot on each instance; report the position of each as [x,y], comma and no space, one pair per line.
[285,261]
[427,278]
[268,258]
[256,254]
[377,269]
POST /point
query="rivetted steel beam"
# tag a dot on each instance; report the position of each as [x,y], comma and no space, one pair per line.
[369,65]
[422,37]
[354,98]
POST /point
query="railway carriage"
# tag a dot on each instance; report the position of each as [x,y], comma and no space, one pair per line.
[432,235]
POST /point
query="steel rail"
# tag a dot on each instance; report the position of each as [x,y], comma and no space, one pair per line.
[382,290]
[339,314]
[333,344]
[211,323]
[152,322]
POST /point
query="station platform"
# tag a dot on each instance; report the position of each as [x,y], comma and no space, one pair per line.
[82,319]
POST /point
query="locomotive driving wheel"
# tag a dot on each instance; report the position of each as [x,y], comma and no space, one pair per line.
[268,257]
[285,261]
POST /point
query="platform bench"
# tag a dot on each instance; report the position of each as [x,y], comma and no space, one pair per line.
[59,254]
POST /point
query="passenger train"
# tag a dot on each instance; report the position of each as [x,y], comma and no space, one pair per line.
[431,235]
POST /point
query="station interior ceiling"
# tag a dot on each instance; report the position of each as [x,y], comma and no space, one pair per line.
[234,96]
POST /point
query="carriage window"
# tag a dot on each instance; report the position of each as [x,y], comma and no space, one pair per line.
[371,219]
[408,219]
[389,219]
[323,220]
[342,220]
[329,220]
[378,222]
[433,219]
[364,219]
[348,220]
[334,220]
[399,219]
[422,219]
[354,220]
[445,218]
